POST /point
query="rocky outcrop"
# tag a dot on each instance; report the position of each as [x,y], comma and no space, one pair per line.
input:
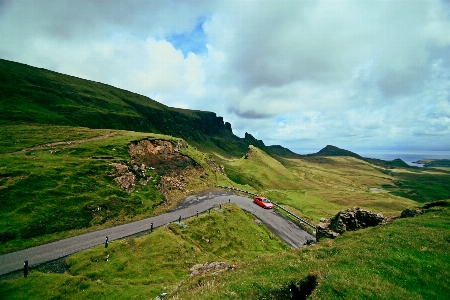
[159,155]
[164,156]
[214,268]
[408,213]
[251,150]
[125,179]
[350,219]
[228,127]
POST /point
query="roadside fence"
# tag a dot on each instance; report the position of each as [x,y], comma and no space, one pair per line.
[274,203]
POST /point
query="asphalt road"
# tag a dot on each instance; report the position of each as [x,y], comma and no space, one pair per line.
[284,228]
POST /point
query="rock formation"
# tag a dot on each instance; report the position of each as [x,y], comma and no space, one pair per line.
[125,179]
[350,219]
[164,156]
[407,213]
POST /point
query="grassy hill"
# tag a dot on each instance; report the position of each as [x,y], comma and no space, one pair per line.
[57,181]
[32,95]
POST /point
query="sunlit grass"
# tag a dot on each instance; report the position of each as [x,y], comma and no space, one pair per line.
[155,263]
[408,259]
[52,191]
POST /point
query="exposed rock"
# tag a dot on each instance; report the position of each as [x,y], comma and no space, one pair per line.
[350,219]
[162,296]
[407,213]
[228,127]
[119,169]
[126,181]
[171,183]
[250,152]
[214,268]
[161,155]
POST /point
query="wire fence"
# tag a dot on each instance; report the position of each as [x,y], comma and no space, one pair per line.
[274,203]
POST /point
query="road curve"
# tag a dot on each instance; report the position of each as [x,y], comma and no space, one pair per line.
[284,228]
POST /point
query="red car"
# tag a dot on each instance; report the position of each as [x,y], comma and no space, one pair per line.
[263,202]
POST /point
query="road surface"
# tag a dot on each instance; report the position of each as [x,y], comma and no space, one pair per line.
[285,229]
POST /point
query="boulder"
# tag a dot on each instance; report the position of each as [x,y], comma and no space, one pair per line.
[345,220]
[408,213]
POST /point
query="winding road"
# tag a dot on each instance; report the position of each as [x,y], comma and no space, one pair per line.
[284,228]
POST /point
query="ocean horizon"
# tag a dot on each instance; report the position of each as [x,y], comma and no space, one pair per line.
[408,156]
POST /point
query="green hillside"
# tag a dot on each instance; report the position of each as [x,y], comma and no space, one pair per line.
[32,95]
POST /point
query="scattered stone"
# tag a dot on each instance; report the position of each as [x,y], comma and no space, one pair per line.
[350,219]
[126,181]
[162,296]
[250,152]
[408,213]
[120,169]
[214,268]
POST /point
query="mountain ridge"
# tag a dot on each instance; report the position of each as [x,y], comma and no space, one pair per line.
[39,96]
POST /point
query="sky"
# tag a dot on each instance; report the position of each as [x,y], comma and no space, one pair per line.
[302,74]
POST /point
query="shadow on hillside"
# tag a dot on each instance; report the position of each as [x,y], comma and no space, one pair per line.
[296,291]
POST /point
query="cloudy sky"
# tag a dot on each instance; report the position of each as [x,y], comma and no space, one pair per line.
[302,74]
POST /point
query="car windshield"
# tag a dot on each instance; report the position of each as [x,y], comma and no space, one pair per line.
[265,200]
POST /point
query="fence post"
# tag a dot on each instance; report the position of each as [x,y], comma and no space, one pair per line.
[197,213]
[106,242]
[25,268]
[179,219]
[151,227]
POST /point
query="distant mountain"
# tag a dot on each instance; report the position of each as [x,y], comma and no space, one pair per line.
[34,95]
[330,150]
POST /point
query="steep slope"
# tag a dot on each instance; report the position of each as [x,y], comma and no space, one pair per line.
[38,96]
[259,170]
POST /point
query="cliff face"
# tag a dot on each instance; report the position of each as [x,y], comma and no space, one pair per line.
[38,96]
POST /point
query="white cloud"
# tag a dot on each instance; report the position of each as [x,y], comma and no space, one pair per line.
[296,73]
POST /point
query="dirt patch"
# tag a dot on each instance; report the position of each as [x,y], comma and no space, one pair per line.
[161,155]
[160,162]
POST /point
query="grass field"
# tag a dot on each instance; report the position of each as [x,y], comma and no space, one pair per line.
[320,186]
[408,259]
[50,191]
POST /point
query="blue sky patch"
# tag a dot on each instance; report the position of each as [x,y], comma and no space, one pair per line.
[194,41]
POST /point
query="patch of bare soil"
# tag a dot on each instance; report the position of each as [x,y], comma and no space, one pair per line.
[176,174]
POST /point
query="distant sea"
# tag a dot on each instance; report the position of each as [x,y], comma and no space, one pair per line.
[407,156]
